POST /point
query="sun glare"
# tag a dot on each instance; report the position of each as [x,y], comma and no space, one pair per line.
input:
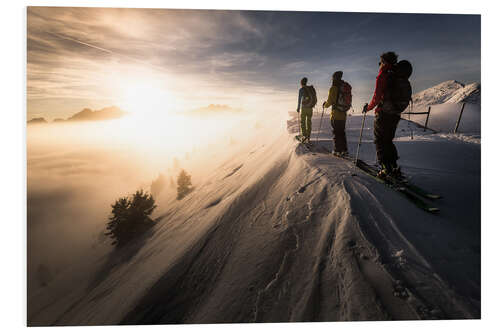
[143,93]
[146,99]
[156,123]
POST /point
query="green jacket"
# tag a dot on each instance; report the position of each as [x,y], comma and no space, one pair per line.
[332,98]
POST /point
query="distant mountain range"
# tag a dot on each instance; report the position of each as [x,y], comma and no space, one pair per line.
[112,112]
[449,92]
[36,121]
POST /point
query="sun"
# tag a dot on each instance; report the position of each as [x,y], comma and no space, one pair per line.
[146,99]
[143,93]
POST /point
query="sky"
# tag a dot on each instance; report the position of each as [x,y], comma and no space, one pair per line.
[179,60]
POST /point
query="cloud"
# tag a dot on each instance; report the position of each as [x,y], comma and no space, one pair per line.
[74,53]
[78,53]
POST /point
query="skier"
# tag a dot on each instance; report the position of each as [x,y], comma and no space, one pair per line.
[307,99]
[390,98]
[339,98]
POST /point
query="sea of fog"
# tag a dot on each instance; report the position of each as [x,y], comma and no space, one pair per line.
[75,171]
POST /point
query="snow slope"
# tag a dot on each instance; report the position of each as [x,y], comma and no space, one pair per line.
[470,93]
[279,233]
[446,100]
[449,92]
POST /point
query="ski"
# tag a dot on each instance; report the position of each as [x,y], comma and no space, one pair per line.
[418,190]
[405,183]
[299,138]
[399,187]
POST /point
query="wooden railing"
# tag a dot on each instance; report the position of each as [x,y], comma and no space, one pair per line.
[428,113]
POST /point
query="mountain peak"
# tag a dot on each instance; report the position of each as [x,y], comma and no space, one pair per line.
[111,112]
[34,121]
[451,91]
[454,82]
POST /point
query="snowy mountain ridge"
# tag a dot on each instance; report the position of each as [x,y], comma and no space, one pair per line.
[449,92]
[447,99]
[279,232]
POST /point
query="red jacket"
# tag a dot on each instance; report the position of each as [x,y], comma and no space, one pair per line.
[381,83]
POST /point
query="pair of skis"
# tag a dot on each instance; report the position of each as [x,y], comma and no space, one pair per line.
[412,192]
[300,139]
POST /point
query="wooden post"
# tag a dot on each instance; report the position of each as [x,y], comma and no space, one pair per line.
[427,119]
[411,130]
[459,118]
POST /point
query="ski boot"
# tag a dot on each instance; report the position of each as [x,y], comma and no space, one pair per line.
[344,154]
[341,154]
[382,174]
[397,174]
[385,171]
[395,171]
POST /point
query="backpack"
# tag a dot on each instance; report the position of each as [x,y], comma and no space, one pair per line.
[344,97]
[309,100]
[398,93]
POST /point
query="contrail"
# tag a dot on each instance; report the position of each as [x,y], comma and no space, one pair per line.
[83,43]
[103,49]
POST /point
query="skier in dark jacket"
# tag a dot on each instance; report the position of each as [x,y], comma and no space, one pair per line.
[337,117]
[386,122]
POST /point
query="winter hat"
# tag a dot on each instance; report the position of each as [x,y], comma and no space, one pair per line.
[337,75]
[389,57]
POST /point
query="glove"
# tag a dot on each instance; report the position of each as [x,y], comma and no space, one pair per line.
[365,107]
[324,103]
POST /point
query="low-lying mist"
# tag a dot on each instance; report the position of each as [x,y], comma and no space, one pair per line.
[76,171]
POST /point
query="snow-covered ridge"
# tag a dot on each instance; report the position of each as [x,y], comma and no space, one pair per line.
[446,99]
[470,93]
[449,92]
[276,232]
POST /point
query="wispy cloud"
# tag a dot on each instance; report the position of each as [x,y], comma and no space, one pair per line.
[76,53]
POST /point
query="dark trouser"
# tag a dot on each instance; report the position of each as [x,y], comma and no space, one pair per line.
[384,130]
[339,135]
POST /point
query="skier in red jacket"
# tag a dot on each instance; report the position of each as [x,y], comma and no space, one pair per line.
[386,122]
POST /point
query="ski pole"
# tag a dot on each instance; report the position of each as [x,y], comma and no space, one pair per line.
[321,120]
[360,136]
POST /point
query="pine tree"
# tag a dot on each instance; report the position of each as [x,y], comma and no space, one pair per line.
[130,217]
[183,184]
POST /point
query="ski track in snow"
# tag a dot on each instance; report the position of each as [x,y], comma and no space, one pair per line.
[285,234]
